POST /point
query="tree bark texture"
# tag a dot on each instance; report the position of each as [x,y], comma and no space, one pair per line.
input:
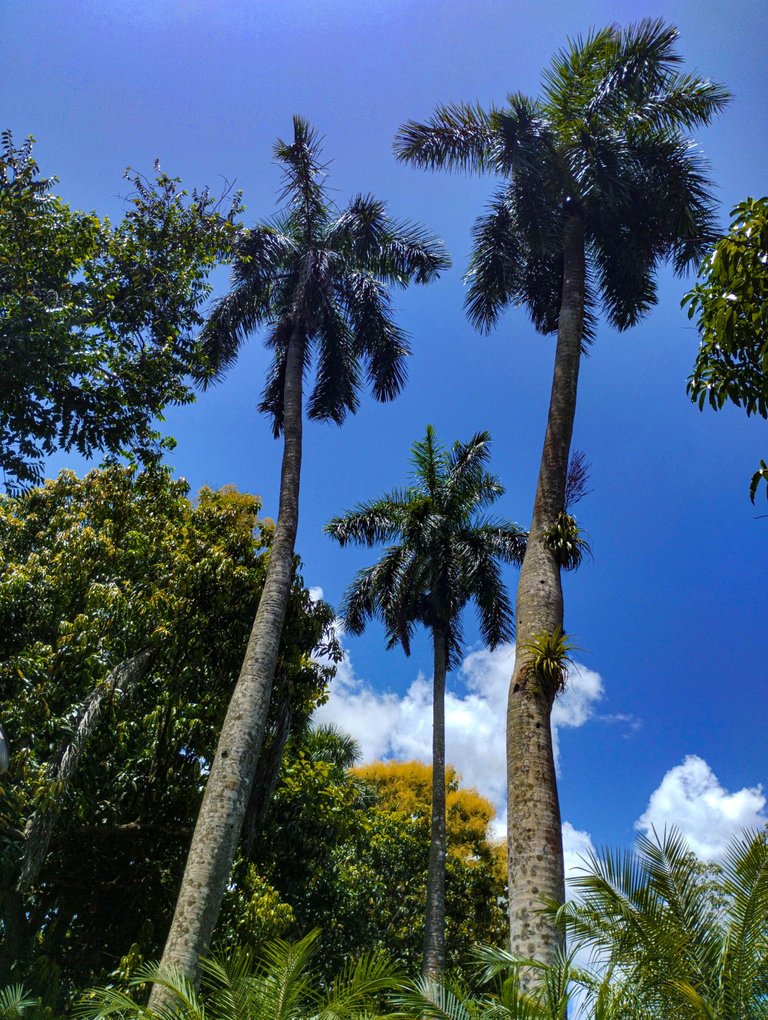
[220,819]
[535,845]
[434,919]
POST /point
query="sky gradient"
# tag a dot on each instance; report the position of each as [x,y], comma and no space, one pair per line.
[670,615]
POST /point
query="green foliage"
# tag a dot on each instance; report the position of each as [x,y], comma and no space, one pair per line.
[281,984]
[607,140]
[348,850]
[97,321]
[324,275]
[14,1002]
[92,572]
[690,942]
[445,551]
[549,998]
[730,305]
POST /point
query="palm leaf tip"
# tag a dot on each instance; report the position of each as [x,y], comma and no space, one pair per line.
[457,137]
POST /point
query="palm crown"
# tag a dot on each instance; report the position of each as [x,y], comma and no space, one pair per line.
[608,135]
[324,273]
[446,550]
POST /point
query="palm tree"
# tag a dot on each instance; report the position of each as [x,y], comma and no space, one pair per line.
[446,553]
[556,988]
[316,279]
[691,941]
[600,185]
[282,985]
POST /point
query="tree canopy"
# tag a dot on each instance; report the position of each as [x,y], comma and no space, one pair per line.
[730,305]
[98,572]
[98,321]
[347,849]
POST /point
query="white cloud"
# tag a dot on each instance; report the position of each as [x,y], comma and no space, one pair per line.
[577,846]
[691,798]
[392,726]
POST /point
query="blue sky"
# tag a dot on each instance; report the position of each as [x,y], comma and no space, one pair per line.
[670,616]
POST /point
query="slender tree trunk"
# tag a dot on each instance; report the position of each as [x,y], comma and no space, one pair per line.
[41,823]
[535,845]
[434,923]
[220,819]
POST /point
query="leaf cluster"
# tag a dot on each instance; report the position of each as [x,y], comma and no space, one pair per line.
[607,140]
[690,942]
[92,571]
[730,306]
[322,276]
[98,321]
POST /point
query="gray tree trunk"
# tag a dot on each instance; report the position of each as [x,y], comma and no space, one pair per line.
[220,819]
[535,845]
[434,921]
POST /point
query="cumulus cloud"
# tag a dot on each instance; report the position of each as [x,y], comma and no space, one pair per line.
[388,725]
[577,846]
[692,798]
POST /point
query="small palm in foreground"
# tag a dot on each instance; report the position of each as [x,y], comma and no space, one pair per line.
[13,1002]
[600,185]
[555,991]
[446,553]
[316,279]
[692,943]
[280,985]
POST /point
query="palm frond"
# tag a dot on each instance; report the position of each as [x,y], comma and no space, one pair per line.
[395,251]
[356,989]
[337,381]
[369,523]
[382,345]
[496,267]
[234,317]
[271,403]
[576,480]
[14,1000]
[442,552]
[458,136]
[303,176]
[745,877]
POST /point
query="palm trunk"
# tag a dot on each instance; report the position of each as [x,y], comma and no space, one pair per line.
[220,819]
[434,923]
[535,845]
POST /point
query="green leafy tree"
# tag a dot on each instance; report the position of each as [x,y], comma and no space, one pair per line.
[348,850]
[98,321]
[444,553]
[730,305]
[600,185]
[689,942]
[317,280]
[124,611]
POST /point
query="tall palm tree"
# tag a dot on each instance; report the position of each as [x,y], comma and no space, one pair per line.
[445,553]
[691,942]
[316,278]
[600,185]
